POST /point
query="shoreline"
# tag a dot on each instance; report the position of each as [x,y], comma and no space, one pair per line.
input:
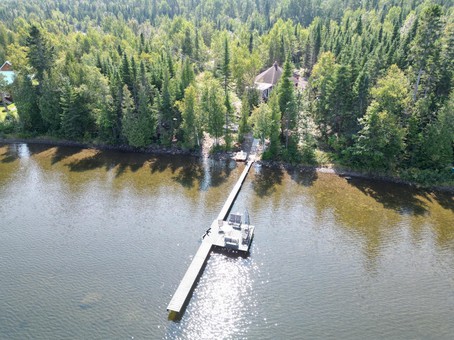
[162,150]
[157,150]
[349,173]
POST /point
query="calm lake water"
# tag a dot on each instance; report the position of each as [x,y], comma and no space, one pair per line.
[93,245]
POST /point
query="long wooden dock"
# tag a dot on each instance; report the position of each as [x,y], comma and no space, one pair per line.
[234,193]
[192,273]
[190,277]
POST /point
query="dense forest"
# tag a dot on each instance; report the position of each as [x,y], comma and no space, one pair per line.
[380,93]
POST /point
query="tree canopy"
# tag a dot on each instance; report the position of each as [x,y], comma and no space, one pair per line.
[140,72]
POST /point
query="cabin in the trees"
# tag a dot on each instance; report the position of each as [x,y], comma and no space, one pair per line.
[7,73]
[267,80]
[6,67]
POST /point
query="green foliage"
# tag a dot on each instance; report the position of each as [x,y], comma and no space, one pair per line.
[167,114]
[49,102]
[392,92]
[191,124]
[76,121]
[287,103]
[213,109]
[73,62]
[276,117]
[428,177]
[40,54]
[26,102]
[244,126]
[8,122]
[138,122]
[322,84]
[261,120]
[380,142]
[425,50]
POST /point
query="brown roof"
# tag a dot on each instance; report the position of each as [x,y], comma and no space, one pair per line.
[270,76]
[6,66]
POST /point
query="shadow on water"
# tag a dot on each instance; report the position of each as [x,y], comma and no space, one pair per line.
[399,197]
[62,153]
[187,171]
[9,158]
[190,172]
[164,163]
[14,152]
[266,180]
[189,175]
[220,171]
[446,200]
[108,160]
[230,253]
[98,160]
[304,177]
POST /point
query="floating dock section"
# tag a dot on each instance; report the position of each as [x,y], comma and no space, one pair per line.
[210,239]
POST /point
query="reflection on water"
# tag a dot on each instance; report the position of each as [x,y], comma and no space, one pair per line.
[94,243]
[223,303]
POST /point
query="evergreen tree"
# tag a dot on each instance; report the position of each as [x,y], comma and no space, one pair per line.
[322,83]
[186,78]
[166,119]
[341,118]
[191,122]
[129,119]
[360,92]
[196,46]
[111,120]
[287,103]
[243,127]
[187,43]
[212,105]
[139,124]
[126,73]
[251,43]
[26,102]
[74,114]
[425,52]
[49,102]
[276,118]
[226,75]
[40,54]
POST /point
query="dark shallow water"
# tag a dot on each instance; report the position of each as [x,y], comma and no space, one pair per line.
[94,244]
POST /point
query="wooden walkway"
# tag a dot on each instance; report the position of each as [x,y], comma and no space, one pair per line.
[234,193]
[192,273]
[183,290]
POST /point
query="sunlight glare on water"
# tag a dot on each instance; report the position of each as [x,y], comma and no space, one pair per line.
[223,303]
[93,245]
